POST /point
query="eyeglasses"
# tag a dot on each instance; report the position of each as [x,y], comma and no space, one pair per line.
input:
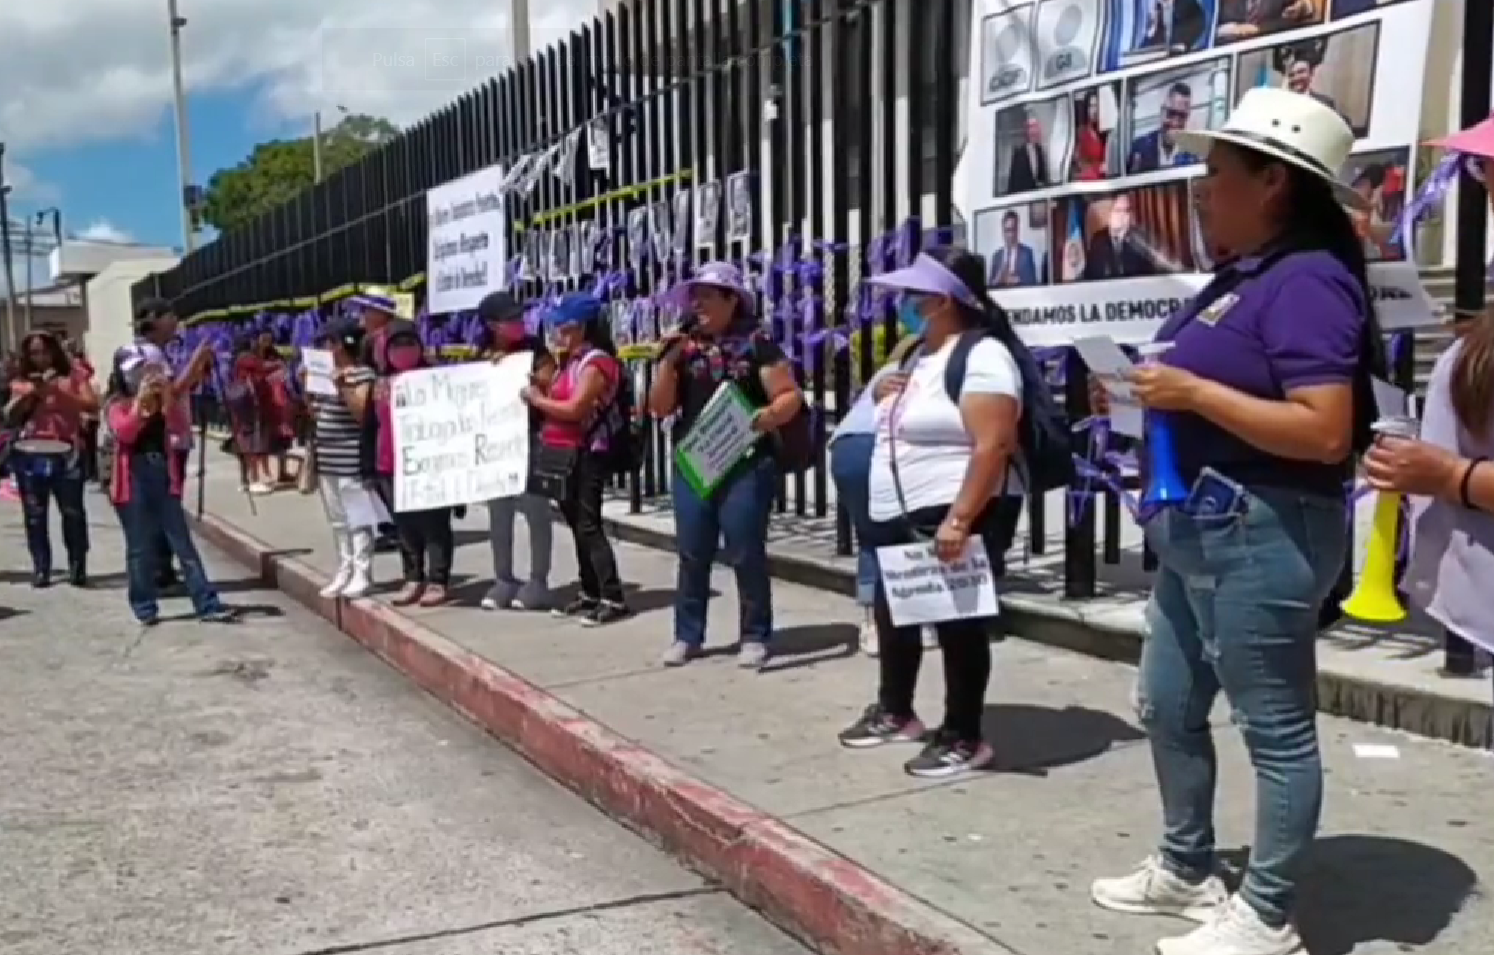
[1176,115]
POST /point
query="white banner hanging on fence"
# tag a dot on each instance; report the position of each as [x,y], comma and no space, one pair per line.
[1074,191]
[461,433]
[467,249]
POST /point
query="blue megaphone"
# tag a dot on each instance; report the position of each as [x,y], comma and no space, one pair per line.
[1164,486]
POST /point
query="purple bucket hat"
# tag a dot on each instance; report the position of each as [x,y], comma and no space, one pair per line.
[929,276]
[375,299]
[721,275]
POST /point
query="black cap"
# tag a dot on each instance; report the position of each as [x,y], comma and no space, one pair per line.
[347,332]
[500,307]
[152,308]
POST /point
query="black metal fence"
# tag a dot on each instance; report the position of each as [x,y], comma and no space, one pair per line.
[845,116]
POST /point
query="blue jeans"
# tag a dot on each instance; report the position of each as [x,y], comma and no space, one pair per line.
[40,478]
[152,513]
[739,511]
[1235,608]
[850,468]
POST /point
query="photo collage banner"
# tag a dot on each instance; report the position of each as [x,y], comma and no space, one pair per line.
[1074,190]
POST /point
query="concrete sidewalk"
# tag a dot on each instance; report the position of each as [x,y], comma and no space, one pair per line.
[740,774]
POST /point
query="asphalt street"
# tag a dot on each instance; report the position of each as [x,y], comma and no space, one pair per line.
[272,789]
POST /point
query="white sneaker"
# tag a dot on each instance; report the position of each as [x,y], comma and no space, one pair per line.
[868,638]
[930,636]
[358,586]
[337,584]
[260,489]
[1152,890]
[1236,929]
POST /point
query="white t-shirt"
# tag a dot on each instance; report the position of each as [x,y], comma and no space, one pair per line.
[933,449]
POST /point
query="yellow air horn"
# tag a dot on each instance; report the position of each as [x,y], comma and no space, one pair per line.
[1374,599]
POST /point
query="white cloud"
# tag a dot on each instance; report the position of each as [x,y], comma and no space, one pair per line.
[99,70]
[105,231]
[23,181]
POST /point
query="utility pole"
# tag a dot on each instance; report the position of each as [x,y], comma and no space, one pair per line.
[518,29]
[10,337]
[183,152]
[30,250]
[316,146]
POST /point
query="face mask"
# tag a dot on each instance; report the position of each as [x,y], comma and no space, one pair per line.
[509,334]
[404,358]
[910,317]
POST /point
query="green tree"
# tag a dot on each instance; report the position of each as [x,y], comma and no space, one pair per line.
[277,170]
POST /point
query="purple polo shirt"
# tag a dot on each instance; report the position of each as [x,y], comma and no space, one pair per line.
[1295,325]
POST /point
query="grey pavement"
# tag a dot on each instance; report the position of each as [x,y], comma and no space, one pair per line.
[1406,838]
[272,789]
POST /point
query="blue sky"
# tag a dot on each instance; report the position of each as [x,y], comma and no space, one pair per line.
[131,184]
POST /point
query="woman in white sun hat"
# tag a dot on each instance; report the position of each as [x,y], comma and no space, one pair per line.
[1267,394]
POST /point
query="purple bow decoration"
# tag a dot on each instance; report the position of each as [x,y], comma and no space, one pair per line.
[1429,197]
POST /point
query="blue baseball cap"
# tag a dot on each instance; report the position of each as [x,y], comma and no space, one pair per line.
[578,309]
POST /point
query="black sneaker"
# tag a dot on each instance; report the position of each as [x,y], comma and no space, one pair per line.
[221,615]
[878,727]
[604,613]
[41,580]
[580,607]
[946,756]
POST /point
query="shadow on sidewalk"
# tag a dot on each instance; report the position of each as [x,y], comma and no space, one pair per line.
[1034,739]
[803,646]
[1362,890]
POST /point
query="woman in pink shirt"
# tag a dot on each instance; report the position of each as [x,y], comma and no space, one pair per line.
[582,425]
[48,400]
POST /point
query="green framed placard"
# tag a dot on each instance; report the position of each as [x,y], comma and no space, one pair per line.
[718,440]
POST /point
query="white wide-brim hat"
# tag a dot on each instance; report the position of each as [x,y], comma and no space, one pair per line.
[1293,127]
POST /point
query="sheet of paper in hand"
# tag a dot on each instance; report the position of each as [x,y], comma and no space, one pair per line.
[923,589]
[720,437]
[321,372]
[461,434]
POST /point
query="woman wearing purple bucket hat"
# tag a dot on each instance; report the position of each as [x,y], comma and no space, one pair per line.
[942,469]
[719,341]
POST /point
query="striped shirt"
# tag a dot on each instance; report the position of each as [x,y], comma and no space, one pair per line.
[336,438]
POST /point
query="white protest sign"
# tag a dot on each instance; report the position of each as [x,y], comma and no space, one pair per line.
[467,226]
[922,589]
[1110,366]
[461,433]
[721,436]
[1080,196]
[321,372]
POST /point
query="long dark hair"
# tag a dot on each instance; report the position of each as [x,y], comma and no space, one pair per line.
[61,364]
[1317,221]
[971,270]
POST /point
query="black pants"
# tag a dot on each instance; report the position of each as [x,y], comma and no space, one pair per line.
[426,541]
[966,644]
[385,490]
[582,510]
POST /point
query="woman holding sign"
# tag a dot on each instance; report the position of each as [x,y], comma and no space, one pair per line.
[1265,395]
[942,489]
[426,541]
[581,427]
[729,387]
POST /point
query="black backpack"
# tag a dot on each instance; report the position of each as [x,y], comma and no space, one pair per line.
[624,454]
[1047,460]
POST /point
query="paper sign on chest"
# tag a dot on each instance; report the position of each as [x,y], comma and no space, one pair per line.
[461,434]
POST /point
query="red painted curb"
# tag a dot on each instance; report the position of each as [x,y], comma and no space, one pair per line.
[808,890]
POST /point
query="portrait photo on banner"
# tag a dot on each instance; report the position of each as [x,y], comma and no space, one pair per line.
[1129,233]
[1352,8]
[1006,54]
[1161,105]
[1032,143]
[1065,34]
[1380,176]
[1014,242]
[1098,151]
[1143,31]
[1250,19]
[1337,69]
